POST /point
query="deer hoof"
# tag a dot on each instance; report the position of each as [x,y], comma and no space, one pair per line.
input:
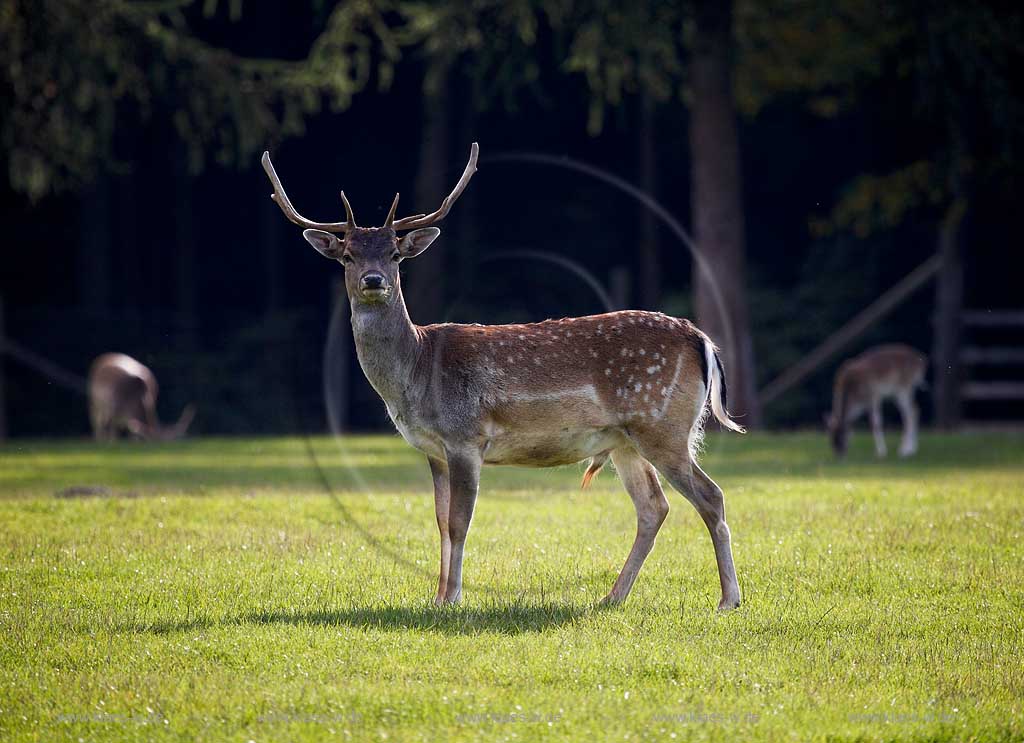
[728,604]
[448,600]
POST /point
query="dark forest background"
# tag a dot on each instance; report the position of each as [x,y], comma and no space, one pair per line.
[136,216]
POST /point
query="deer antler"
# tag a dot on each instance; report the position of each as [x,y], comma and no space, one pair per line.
[349,215]
[390,221]
[424,220]
[281,199]
[406,223]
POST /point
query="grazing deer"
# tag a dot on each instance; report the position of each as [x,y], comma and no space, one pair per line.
[122,397]
[632,386]
[864,382]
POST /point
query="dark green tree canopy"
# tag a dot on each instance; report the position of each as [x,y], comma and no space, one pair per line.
[73,71]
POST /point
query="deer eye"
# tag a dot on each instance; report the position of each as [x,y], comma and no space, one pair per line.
[396,257]
[346,259]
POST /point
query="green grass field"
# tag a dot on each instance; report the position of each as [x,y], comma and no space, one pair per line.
[234,590]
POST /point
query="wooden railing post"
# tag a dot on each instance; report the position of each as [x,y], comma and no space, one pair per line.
[949,305]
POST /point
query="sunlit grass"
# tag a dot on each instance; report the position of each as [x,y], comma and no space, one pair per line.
[279,589]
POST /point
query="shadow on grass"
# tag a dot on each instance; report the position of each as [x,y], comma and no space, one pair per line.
[510,619]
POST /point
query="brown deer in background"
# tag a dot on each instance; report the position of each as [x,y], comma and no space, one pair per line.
[122,397]
[632,386]
[861,385]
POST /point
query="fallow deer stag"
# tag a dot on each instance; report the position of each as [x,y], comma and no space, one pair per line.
[122,397]
[861,385]
[633,386]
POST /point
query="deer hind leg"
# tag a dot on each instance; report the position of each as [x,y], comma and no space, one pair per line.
[705,495]
[709,500]
[909,413]
[464,483]
[641,482]
[877,428]
[442,496]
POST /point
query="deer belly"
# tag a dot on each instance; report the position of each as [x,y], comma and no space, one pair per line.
[548,448]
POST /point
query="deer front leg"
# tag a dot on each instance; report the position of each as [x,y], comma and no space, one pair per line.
[876,427]
[464,482]
[442,495]
[908,411]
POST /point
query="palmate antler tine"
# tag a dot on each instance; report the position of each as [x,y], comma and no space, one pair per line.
[420,220]
[281,199]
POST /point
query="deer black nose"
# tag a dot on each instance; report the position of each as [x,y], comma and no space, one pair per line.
[373,281]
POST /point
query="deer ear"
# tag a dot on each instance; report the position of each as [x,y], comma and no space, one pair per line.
[325,243]
[416,242]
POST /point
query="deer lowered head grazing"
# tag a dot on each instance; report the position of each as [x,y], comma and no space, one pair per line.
[122,397]
[632,386]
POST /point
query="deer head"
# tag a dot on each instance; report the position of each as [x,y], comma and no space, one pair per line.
[371,255]
[158,431]
[838,433]
[178,429]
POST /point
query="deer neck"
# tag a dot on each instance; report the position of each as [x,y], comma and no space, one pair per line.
[387,344]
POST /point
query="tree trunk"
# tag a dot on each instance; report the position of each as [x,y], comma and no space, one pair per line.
[717,206]
[650,265]
[271,240]
[949,305]
[467,225]
[3,389]
[93,250]
[134,286]
[186,280]
[425,274]
[949,289]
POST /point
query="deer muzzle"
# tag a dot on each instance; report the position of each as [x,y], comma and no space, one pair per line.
[374,285]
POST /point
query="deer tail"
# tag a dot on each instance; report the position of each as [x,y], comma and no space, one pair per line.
[718,391]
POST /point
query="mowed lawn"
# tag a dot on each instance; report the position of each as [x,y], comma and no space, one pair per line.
[280,589]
